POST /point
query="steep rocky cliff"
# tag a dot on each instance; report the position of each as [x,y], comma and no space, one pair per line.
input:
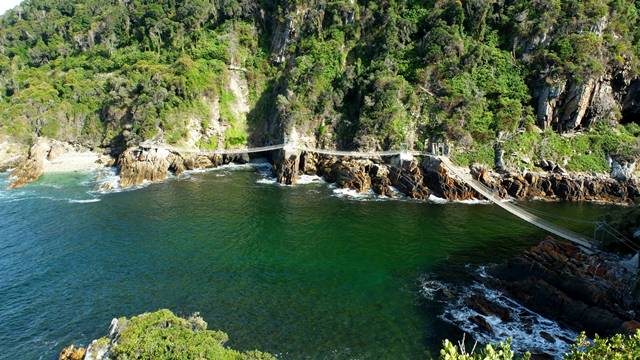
[551,80]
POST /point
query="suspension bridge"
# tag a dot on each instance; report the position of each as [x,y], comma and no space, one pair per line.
[589,245]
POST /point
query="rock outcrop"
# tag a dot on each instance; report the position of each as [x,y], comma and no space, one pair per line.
[352,174]
[438,180]
[11,153]
[559,186]
[409,180]
[287,166]
[559,281]
[32,167]
[72,353]
[139,164]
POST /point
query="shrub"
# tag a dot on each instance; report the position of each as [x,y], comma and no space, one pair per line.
[162,335]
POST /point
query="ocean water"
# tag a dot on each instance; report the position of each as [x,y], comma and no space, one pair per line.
[304,272]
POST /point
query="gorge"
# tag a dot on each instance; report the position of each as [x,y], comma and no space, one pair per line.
[130,180]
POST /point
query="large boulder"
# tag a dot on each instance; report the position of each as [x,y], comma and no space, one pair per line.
[138,165]
[286,166]
[438,180]
[380,182]
[408,178]
[352,174]
[309,163]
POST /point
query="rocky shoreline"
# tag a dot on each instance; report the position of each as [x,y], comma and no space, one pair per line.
[416,179]
[594,293]
[47,156]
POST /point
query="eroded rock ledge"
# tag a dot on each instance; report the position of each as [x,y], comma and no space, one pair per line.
[139,164]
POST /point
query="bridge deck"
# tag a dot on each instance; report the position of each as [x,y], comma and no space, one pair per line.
[514,209]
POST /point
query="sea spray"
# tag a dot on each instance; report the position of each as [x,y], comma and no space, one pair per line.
[528,330]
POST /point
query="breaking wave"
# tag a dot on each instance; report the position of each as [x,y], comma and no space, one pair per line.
[528,330]
[86,201]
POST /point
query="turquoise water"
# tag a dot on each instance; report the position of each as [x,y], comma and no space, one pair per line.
[297,271]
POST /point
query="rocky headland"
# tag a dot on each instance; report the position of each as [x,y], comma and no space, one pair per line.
[596,293]
[422,177]
[544,297]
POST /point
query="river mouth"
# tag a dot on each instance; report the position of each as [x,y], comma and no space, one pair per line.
[302,272]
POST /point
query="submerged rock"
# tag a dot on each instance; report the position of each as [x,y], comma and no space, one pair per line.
[72,353]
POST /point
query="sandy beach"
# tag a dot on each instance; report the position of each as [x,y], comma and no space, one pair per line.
[72,161]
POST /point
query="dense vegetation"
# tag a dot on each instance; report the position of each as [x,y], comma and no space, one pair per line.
[352,74]
[618,347]
[162,335]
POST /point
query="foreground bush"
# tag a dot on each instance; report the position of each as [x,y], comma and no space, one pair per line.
[618,347]
[161,335]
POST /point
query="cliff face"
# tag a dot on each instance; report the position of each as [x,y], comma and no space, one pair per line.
[341,74]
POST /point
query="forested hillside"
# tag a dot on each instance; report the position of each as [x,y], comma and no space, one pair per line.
[553,79]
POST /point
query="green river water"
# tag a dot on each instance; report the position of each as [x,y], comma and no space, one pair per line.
[304,272]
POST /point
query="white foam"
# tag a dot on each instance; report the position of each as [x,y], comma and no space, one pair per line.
[108,179]
[86,201]
[233,166]
[108,182]
[524,327]
[310,179]
[268,181]
[474,202]
[437,200]
[352,194]
[429,287]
